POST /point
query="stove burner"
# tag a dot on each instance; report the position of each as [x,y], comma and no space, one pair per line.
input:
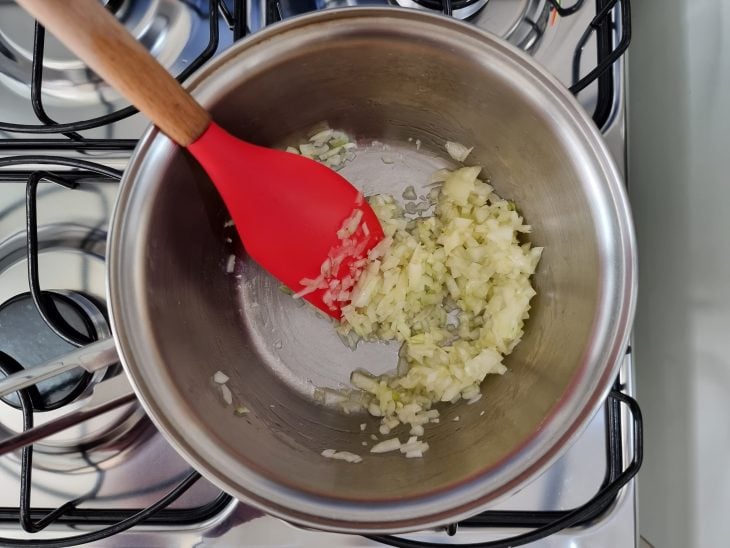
[70,256]
[460,9]
[173,31]
[113,5]
[521,22]
[26,338]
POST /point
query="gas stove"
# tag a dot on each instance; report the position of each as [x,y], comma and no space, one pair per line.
[111,479]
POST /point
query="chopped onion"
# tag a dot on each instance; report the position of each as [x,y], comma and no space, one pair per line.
[392,444]
[327,146]
[458,151]
[414,445]
[220,377]
[453,286]
[466,258]
[334,161]
[350,225]
[321,137]
[332,397]
[226,394]
[417,430]
[339,292]
[312,150]
[231,264]
[310,286]
[341,455]
[363,381]
[241,410]
[331,153]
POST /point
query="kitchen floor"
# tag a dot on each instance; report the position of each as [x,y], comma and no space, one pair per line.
[679,148]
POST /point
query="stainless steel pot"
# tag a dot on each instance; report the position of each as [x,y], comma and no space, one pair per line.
[401,77]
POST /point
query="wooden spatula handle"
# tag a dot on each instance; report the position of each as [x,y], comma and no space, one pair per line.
[98,39]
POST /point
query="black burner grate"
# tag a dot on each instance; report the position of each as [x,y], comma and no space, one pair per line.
[546,523]
[33,520]
[448,6]
[70,129]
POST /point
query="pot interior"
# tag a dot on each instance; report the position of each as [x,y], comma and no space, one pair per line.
[400,80]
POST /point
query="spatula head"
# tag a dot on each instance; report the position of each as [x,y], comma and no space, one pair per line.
[288,210]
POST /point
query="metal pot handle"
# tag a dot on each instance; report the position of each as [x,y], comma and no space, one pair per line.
[106,395]
[91,357]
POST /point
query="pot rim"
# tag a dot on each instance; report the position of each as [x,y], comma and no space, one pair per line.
[461,501]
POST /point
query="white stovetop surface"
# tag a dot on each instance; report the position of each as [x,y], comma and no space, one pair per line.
[680,192]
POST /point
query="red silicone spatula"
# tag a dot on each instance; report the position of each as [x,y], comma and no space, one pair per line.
[287,209]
